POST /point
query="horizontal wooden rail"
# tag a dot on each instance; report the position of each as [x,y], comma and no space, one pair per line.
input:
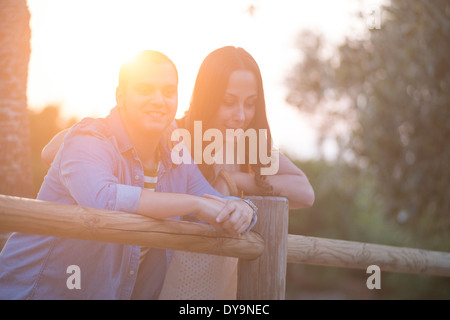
[46,218]
[348,254]
[71,221]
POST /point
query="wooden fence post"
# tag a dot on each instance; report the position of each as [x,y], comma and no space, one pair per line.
[264,278]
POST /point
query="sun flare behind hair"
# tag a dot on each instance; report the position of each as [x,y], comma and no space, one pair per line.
[133,65]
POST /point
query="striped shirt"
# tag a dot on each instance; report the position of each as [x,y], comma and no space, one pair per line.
[150,180]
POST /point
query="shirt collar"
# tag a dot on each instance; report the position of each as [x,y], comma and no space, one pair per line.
[116,125]
[124,142]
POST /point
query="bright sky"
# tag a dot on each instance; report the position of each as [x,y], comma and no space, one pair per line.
[78,46]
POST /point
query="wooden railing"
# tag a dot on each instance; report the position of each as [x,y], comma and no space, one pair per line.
[264,252]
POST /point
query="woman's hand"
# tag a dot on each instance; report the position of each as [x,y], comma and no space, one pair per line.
[289,182]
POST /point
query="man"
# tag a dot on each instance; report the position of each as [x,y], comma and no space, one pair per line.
[102,164]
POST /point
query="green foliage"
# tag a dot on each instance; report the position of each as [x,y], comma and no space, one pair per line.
[348,207]
[386,99]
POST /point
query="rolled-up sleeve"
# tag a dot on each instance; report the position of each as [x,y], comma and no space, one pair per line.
[127,198]
[87,166]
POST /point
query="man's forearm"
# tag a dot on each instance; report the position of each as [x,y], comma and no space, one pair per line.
[161,205]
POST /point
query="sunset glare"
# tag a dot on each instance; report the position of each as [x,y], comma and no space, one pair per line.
[78,47]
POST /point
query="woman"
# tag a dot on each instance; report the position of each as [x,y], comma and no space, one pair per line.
[228,94]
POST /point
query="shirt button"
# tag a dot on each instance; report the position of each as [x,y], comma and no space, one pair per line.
[136,177]
[131,272]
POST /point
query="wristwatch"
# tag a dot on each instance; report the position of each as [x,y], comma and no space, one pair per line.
[255,217]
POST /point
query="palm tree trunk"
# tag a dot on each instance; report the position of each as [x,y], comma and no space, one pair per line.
[15,154]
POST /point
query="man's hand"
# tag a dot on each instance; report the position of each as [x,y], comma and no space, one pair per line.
[235,216]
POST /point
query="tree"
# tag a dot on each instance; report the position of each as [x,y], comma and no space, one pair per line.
[390,95]
[15,165]
[15,162]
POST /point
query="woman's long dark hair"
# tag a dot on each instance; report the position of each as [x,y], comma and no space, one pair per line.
[208,94]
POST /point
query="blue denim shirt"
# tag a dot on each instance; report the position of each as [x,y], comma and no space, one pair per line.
[98,167]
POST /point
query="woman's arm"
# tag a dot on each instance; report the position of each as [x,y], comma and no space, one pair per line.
[49,151]
[289,182]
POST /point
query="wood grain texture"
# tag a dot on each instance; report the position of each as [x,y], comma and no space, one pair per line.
[358,255]
[264,278]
